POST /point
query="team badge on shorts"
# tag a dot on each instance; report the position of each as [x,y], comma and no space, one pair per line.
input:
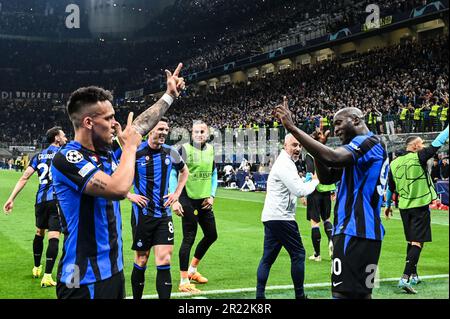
[74,157]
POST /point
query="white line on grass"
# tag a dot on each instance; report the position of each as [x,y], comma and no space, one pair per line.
[282,287]
[435,223]
[261,201]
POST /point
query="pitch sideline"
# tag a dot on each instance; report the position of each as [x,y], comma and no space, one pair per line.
[282,287]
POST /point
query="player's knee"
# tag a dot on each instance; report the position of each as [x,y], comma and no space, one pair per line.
[164,259]
[298,255]
[315,224]
[40,232]
[53,235]
[415,243]
[212,236]
[188,239]
[141,260]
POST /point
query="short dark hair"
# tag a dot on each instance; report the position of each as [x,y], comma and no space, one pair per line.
[52,133]
[164,119]
[84,97]
[411,139]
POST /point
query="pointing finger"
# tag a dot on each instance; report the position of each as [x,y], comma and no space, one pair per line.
[178,69]
[130,119]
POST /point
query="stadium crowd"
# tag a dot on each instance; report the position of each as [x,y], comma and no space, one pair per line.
[200,32]
[388,84]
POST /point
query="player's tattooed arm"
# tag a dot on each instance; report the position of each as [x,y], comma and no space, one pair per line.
[145,122]
[97,183]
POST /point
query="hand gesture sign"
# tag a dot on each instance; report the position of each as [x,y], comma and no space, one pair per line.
[129,136]
[283,113]
[174,82]
[320,136]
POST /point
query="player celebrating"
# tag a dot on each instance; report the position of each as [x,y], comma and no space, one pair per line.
[47,217]
[361,165]
[151,218]
[89,182]
[409,177]
[197,200]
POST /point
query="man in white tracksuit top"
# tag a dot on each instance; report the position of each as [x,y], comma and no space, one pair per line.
[284,187]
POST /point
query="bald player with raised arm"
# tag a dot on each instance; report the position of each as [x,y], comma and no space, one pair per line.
[361,165]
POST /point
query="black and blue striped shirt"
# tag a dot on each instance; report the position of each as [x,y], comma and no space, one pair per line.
[92,226]
[151,178]
[361,189]
[41,163]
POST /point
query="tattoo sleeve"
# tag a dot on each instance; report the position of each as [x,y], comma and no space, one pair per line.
[147,120]
[98,183]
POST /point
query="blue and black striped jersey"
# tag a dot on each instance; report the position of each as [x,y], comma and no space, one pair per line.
[361,189]
[41,163]
[92,226]
[151,178]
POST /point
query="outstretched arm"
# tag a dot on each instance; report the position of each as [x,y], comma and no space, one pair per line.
[146,121]
[19,186]
[340,157]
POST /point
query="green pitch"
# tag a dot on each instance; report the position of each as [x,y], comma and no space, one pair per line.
[231,263]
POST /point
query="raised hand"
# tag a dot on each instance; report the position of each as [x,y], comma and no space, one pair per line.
[174,82]
[283,113]
[130,136]
[320,136]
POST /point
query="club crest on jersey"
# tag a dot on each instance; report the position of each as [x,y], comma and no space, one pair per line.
[147,158]
[113,166]
[94,158]
[74,157]
[167,161]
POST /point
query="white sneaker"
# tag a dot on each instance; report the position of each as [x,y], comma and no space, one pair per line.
[315,258]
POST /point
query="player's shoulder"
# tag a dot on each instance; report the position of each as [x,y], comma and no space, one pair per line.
[171,151]
[72,152]
[169,148]
[364,141]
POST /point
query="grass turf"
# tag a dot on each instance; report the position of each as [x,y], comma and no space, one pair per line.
[232,261]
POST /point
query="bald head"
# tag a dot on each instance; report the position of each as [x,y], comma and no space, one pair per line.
[348,123]
[292,146]
[352,112]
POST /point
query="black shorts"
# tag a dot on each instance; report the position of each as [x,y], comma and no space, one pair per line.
[318,206]
[354,264]
[111,288]
[417,224]
[194,214]
[47,216]
[149,231]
